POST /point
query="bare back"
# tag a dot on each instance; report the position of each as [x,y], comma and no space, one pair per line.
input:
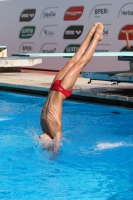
[51,115]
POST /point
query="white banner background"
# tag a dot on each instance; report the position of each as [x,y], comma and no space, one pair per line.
[110,14]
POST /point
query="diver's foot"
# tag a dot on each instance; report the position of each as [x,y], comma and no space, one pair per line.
[93,28]
[99,32]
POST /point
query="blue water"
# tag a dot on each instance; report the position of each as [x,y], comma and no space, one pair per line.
[95,160]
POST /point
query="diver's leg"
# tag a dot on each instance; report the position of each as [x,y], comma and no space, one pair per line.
[73,73]
[127,41]
[78,54]
[127,38]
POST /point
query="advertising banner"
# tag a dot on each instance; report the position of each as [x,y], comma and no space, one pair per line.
[40,26]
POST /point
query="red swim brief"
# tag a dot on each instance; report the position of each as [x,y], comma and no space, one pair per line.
[57,87]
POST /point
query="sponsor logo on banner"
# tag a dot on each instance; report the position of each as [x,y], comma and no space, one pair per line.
[48,31]
[48,48]
[27,15]
[73,32]
[122,36]
[105,32]
[107,29]
[126,10]
[73,13]
[71,48]
[100,10]
[26,47]
[49,13]
[27,32]
[101,50]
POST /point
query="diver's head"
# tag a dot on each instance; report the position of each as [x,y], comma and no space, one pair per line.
[49,144]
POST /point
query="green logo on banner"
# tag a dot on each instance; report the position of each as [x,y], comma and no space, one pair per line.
[27,32]
[72,48]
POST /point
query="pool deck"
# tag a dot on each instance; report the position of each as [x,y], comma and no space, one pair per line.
[38,82]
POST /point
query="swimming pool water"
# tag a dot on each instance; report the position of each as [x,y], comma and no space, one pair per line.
[95,160]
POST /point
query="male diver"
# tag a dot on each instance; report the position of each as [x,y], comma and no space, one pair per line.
[61,88]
